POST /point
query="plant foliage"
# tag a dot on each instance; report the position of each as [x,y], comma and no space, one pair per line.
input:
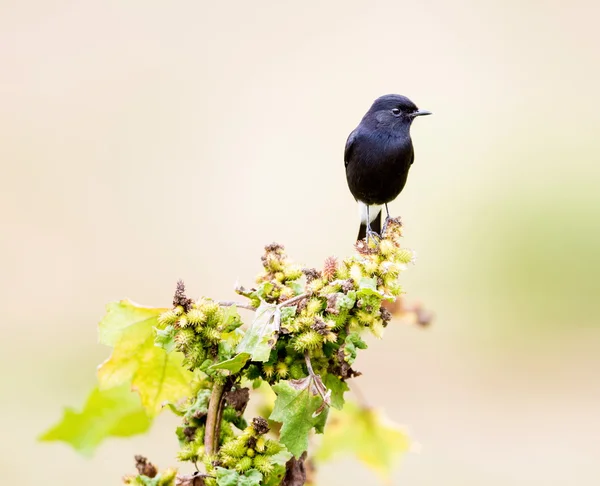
[197,360]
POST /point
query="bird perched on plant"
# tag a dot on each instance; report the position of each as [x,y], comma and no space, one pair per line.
[378,155]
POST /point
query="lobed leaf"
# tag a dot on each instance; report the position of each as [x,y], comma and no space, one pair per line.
[299,408]
[116,412]
[156,375]
[367,434]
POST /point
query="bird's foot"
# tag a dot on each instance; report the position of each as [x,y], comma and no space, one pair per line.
[385,223]
[372,234]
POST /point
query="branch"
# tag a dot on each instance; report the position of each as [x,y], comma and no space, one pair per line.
[323,391]
[293,300]
[231,303]
[211,436]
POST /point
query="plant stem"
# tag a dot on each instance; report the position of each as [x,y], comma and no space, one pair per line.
[211,436]
[293,300]
[231,303]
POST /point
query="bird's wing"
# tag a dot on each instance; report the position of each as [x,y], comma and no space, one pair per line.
[349,147]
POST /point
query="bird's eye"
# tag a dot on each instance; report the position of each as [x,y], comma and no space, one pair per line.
[396,111]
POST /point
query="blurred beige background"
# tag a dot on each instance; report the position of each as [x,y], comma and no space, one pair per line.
[139,137]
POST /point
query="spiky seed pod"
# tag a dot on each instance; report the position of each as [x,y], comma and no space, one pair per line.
[297,371]
[264,464]
[314,306]
[211,334]
[330,268]
[370,266]
[196,317]
[184,338]
[261,444]
[377,328]
[356,272]
[167,477]
[272,447]
[405,256]
[307,340]
[227,460]
[316,285]
[169,317]
[286,294]
[282,370]
[268,370]
[250,452]
[386,247]
[243,464]
[390,269]
[279,276]
[253,372]
[183,322]
[210,308]
[234,448]
[187,454]
[330,337]
[292,272]
[365,318]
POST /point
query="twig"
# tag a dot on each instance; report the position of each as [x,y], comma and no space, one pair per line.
[317,380]
[231,303]
[210,435]
[293,300]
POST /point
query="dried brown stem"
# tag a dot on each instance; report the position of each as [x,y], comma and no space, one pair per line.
[211,434]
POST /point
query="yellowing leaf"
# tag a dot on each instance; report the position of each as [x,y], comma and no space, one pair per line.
[123,315]
[156,375]
[116,412]
[367,434]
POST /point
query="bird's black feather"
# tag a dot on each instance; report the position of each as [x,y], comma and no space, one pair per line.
[379,153]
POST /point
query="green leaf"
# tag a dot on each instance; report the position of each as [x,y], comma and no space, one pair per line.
[124,314]
[165,338]
[262,335]
[229,477]
[234,364]
[156,375]
[345,302]
[231,319]
[297,407]
[338,388]
[251,478]
[366,434]
[110,413]
[367,284]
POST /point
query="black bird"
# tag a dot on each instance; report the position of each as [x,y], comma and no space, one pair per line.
[378,155]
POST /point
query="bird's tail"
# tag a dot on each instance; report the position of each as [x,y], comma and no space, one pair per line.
[375,226]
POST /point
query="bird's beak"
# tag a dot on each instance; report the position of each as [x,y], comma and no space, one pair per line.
[421,113]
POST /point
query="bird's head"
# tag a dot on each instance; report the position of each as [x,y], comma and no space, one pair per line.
[394,111]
